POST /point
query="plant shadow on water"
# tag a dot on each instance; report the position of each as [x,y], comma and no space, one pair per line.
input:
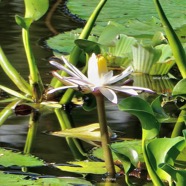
[125,122]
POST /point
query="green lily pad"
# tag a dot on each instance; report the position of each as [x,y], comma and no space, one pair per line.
[86,167]
[20,180]
[9,158]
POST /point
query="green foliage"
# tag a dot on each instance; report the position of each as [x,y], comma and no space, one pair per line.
[177,175]
[9,158]
[122,50]
[144,113]
[86,167]
[21,180]
[171,148]
[35,9]
[158,110]
[179,89]
[120,147]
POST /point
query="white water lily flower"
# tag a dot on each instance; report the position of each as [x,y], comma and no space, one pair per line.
[98,79]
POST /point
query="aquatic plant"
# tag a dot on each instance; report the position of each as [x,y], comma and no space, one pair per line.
[101,82]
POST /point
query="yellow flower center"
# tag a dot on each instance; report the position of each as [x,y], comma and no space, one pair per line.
[102,65]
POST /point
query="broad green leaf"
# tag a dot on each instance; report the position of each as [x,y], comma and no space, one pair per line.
[35,9]
[150,124]
[14,93]
[22,180]
[63,181]
[87,167]
[14,180]
[123,11]
[171,149]
[177,175]
[136,18]
[9,158]
[179,89]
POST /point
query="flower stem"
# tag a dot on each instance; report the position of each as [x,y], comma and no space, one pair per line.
[105,141]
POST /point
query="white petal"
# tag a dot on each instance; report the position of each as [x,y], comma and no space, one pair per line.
[140,88]
[124,89]
[74,69]
[77,81]
[92,73]
[64,80]
[60,88]
[109,94]
[105,79]
[118,77]
[61,67]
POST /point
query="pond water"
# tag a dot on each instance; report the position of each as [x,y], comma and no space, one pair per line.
[13,133]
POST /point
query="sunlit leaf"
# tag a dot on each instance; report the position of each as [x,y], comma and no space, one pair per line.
[21,180]
[9,158]
[86,167]
[89,132]
[135,18]
[35,9]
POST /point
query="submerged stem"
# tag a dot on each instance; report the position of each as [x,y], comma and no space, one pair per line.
[105,141]
[33,123]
